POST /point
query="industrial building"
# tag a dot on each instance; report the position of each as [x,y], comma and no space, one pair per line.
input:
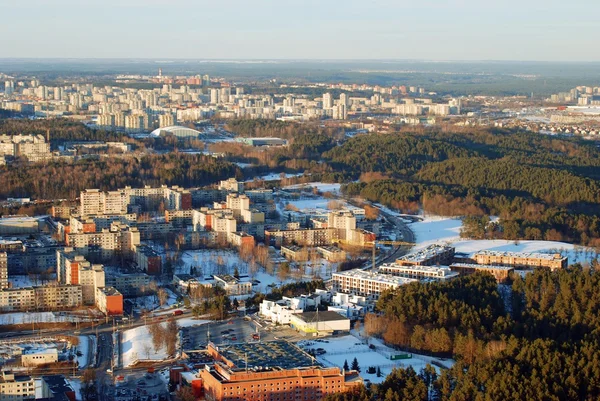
[318,323]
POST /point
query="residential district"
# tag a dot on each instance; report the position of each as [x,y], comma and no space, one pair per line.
[127,264]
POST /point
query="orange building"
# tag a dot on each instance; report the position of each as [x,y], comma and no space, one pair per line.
[109,301]
[272,371]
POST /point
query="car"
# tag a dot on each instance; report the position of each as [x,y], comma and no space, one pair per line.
[233,338]
[230,322]
[224,331]
[255,336]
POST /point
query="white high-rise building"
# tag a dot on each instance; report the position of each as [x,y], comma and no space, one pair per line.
[344,100]
[9,87]
[214,96]
[327,101]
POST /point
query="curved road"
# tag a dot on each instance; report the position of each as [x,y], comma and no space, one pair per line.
[407,235]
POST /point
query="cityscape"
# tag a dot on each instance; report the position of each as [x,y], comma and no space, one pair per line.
[266,203]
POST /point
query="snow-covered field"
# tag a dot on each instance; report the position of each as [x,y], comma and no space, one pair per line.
[151,302]
[321,187]
[346,348]
[84,348]
[274,176]
[136,343]
[38,317]
[435,229]
[207,262]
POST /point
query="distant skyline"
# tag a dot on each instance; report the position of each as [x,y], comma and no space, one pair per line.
[530,30]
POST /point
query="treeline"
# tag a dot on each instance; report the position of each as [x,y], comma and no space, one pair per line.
[539,341]
[65,180]
[61,130]
[541,187]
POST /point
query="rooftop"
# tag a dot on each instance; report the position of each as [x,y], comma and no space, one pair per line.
[529,255]
[268,354]
[476,266]
[427,253]
[109,291]
[319,316]
[375,276]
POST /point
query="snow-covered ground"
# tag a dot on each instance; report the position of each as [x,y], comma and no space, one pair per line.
[84,348]
[274,176]
[321,187]
[136,343]
[346,348]
[38,317]
[207,262]
[151,302]
[435,229]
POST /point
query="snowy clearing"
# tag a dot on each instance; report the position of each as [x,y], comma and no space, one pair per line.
[436,229]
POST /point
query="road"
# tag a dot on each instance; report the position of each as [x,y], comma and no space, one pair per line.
[407,235]
[104,362]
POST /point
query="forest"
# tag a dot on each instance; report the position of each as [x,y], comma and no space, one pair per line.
[541,187]
[57,180]
[538,340]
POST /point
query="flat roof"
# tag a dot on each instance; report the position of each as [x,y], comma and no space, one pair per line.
[427,253]
[267,355]
[530,255]
[477,266]
[319,316]
[375,276]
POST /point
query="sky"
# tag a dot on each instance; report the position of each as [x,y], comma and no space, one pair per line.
[537,30]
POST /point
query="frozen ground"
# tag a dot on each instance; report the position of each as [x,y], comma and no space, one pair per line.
[321,187]
[346,348]
[136,343]
[274,176]
[37,317]
[84,348]
[151,302]
[435,229]
[207,262]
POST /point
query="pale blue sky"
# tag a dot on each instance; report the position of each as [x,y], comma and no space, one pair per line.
[302,29]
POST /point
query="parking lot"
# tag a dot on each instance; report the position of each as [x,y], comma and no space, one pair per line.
[235,330]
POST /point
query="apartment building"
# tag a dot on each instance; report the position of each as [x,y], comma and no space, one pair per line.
[16,387]
[74,269]
[301,236]
[148,260]
[109,301]
[522,260]
[432,255]
[34,148]
[3,270]
[128,284]
[231,185]
[343,221]
[49,297]
[366,283]
[419,272]
[501,273]
[276,371]
[237,203]
[119,239]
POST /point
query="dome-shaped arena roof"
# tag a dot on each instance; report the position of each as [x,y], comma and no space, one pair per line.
[176,130]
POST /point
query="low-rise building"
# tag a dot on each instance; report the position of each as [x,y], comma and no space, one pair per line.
[16,387]
[366,283]
[432,255]
[232,285]
[419,272]
[271,371]
[278,312]
[320,323]
[37,357]
[295,253]
[522,260]
[501,273]
[332,253]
